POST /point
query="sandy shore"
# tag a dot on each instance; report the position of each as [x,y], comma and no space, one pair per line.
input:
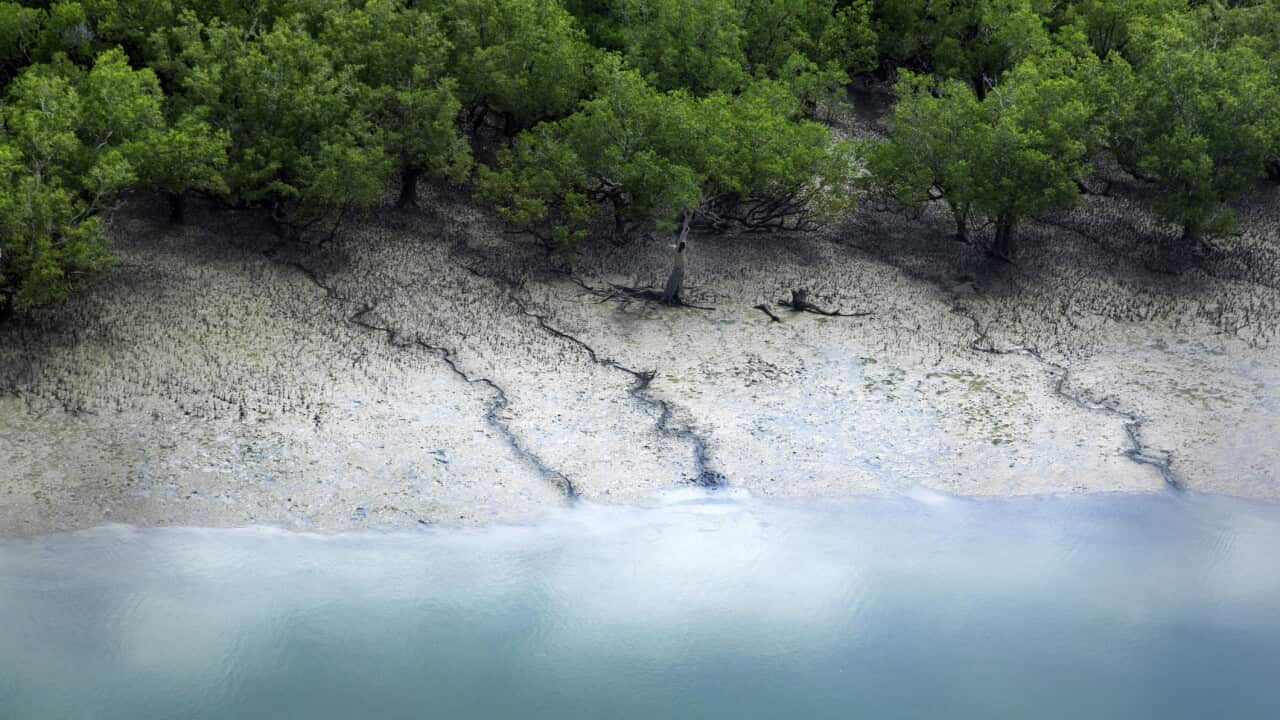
[430,368]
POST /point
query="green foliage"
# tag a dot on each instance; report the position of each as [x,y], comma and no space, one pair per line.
[850,38]
[815,87]
[822,31]
[811,45]
[187,156]
[20,29]
[620,150]
[720,45]
[302,137]
[1195,118]
[129,23]
[1014,154]
[638,111]
[925,152]
[646,156]
[402,58]
[696,45]
[67,30]
[525,60]
[902,31]
[71,143]
[42,33]
[1108,25]
[1254,24]
[1030,147]
[971,40]
[753,147]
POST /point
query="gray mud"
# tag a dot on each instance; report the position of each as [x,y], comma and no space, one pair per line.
[431,368]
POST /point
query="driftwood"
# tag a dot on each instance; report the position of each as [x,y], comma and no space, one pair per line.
[764,308]
[799,302]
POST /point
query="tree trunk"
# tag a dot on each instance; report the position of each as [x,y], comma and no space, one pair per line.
[1192,241]
[980,86]
[1003,247]
[408,187]
[1273,169]
[619,220]
[285,230]
[1190,235]
[479,113]
[961,217]
[1191,244]
[675,281]
[177,208]
[6,291]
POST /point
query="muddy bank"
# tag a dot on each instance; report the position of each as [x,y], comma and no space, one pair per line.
[430,368]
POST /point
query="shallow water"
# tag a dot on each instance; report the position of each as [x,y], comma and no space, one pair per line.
[698,606]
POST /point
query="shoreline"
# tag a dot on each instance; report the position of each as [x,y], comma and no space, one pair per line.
[677,502]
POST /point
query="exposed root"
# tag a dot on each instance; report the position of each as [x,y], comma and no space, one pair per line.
[1086,189]
[625,293]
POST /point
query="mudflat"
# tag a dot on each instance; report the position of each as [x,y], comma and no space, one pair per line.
[430,368]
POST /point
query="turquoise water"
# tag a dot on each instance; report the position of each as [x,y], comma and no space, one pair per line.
[702,606]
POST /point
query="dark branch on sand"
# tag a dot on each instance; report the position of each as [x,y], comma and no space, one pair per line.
[764,308]
[799,302]
[627,293]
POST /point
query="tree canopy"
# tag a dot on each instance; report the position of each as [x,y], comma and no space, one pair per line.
[1197,120]
[576,118]
[1011,155]
[73,139]
[647,157]
[523,61]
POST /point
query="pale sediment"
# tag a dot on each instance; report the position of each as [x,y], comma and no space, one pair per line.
[428,368]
